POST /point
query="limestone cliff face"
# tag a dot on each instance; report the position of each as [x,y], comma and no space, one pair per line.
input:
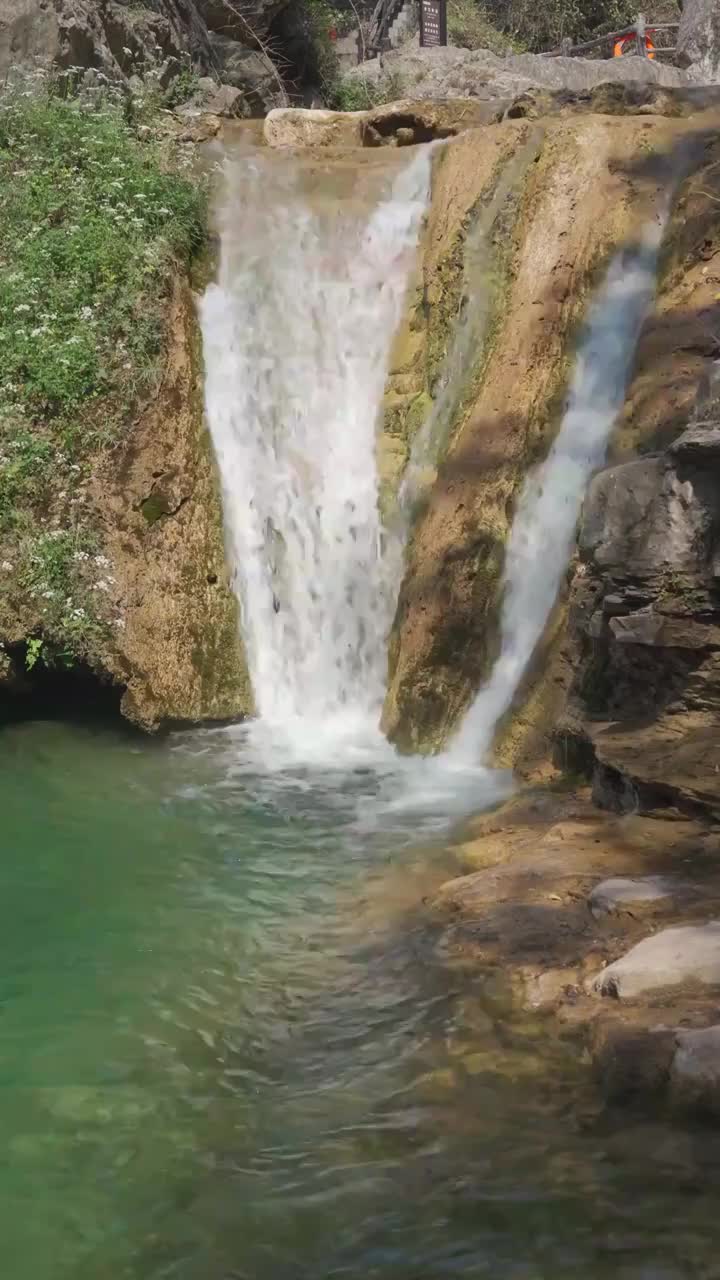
[179,654]
[525,216]
[170,640]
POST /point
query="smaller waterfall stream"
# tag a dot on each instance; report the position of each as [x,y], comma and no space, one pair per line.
[297,337]
[541,537]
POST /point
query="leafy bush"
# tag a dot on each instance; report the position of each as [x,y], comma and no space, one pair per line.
[93,221]
[543,26]
[470,27]
[89,225]
[355,93]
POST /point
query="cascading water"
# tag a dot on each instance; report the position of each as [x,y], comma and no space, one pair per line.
[541,538]
[297,335]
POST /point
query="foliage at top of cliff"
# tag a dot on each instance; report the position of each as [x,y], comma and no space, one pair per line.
[476,23]
[94,218]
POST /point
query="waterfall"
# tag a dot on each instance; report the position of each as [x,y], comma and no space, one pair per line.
[543,530]
[297,335]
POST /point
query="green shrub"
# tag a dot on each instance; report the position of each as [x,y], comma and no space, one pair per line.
[94,219]
[470,27]
[355,93]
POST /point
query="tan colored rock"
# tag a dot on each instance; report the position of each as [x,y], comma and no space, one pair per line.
[297,127]
[684,953]
[179,651]
[552,198]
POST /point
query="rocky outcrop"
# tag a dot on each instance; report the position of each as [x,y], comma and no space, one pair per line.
[159,39]
[179,654]
[698,40]
[167,638]
[405,123]
[647,611]
[464,73]
[524,215]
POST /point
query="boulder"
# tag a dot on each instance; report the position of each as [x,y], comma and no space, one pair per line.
[248,70]
[623,896]
[642,517]
[298,127]
[228,101]
[699,443]
[117,39]
[695,1069]
[698,40]
[684,953]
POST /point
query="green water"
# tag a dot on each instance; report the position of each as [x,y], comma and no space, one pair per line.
[230,1051]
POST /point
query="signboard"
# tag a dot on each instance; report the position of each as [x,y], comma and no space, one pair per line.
[433,22]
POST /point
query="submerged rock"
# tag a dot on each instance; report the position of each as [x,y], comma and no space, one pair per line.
[695,1069]
[623,896]
[685,953]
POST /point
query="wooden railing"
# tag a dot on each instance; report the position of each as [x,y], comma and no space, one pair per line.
[385,13]
[639,29]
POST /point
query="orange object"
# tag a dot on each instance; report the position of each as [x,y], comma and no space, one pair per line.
[333,34]
[628,45]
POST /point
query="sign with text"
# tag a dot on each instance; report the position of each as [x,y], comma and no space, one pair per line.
[433,22]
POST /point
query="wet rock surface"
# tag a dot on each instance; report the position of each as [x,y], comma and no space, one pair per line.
[685,953]
[562,904]
[695,1069]
[622,895]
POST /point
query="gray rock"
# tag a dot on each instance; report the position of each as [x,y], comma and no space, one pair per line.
[685,953]
[650,627]
[228,101]
[620,896]
[642,518]
[107,36]
[248,70]
[698,40]
[698,443]
[450,72]
[695,1069]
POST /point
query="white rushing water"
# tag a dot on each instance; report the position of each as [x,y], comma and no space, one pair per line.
[297,336]
[543,530]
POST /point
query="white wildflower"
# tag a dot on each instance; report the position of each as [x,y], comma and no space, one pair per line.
[80,556]
[86,313]
[102,561]
[6,566]
[120,623]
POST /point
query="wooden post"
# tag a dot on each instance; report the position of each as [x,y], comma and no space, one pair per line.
[566,47]
[433,23]
[640,35]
